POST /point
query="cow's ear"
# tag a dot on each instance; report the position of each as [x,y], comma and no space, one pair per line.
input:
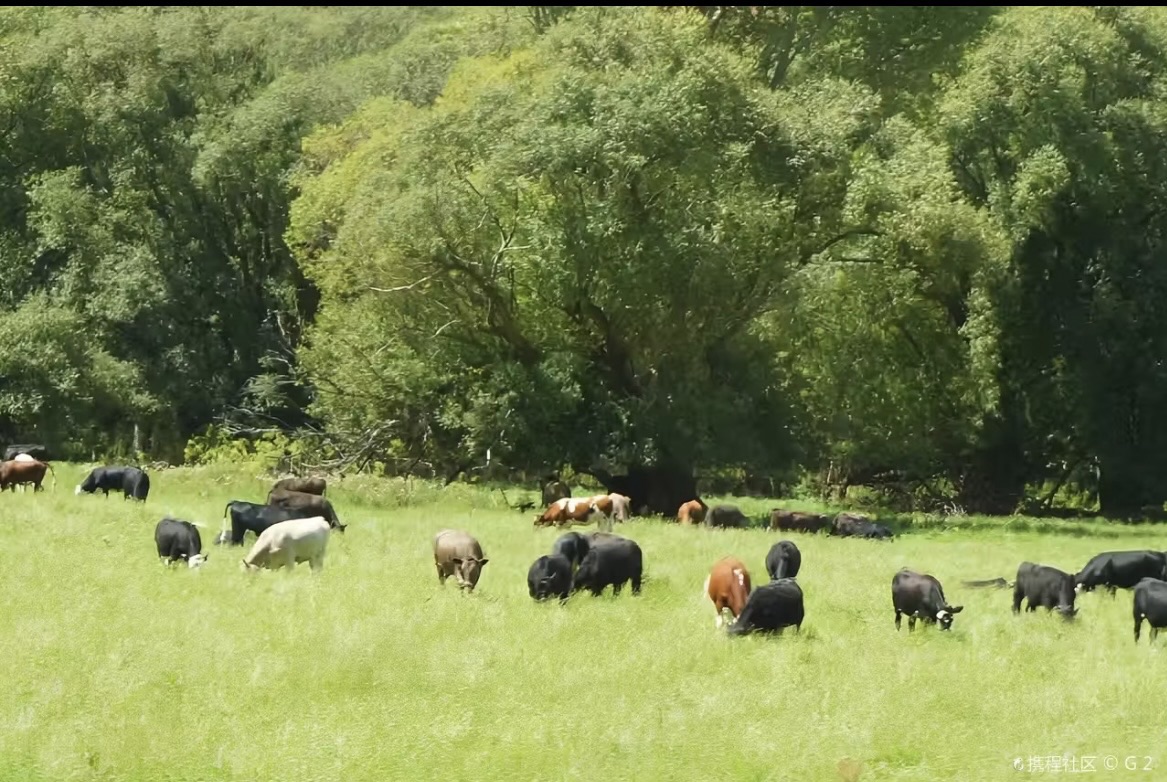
[957,609]
[482,562]
[456,560]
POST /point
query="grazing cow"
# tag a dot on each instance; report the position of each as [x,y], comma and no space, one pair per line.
[1121,569]
[252,517]
[798,521]
[577,510]
[131,481]
[177,539]
[920,595]
[458,554]
[305,505]
[38,452]
[1042,585]
[288,543]
[726,516]
[771,608]
[692,512]
[549,575]
[307,485]
[572,546]
[555,490]
[19,472]
[1150,603]
[610,562]
[728,586]
[850,525]
[621,506]
[783,560]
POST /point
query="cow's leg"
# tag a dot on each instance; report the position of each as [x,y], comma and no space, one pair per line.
[1017,595]
[316,563]
[1138,626]
[1154,634]
[897,619]
[442,575]
[911,623]
[1113,590]
[636,584]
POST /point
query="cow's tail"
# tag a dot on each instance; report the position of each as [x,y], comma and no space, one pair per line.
[54,474]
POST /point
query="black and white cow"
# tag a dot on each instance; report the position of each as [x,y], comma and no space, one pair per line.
[770,608]
[130,481]
[252,517]
[1121,569]
[1042,585]
[921,596]
[1150,604]
[177,539]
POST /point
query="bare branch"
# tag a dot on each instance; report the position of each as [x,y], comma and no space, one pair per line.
[408,287]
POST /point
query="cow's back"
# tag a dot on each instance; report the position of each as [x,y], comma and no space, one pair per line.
[453,543]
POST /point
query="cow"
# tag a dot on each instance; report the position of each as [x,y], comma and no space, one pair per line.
[549,575]
[621,506]
[771,608]
[1121,569]
[38,452]
[19,472]
[726,516]
[851,525]
[692,512]
[783,560]
[288,543]
[577,510]
[306,505]
[610,562]
[251,517]
[1151,604]
[728,586]
[572,546]
[311,485]
[553,490]
[798,521]
[920,595]
[458,554]
[177,539]
[131,481]
[1042,585]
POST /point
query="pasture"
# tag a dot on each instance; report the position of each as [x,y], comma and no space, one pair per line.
[115,668]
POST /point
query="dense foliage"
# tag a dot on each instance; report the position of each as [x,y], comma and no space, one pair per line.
[917,248]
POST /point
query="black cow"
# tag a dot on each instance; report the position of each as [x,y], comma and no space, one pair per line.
[1151,603]
[726,516]
[549,575]
[920,595]
[573,547]
[177,539]
[783,561]
[253,517]
[307,485]
[850,525]
[553,490]
[770,608]
[1114,569]
[38,452]
[1042,585]
[307,505]
[610,562]
[131,481]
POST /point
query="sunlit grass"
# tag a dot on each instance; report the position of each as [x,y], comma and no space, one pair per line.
[115,668]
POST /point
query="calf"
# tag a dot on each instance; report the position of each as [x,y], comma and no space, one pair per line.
[576,510]
[692,512]
[726,516]
[728,586]
[549,575]
[572,546]
[921,596]
[610,562]
[783,560]
[305,505]
[177,539]
[1042,585]
[1121,569]
[458,554]
[771,608]
[1150,603]
[288,543]
[20,471]
[307,485]
[131,481]
[798,521]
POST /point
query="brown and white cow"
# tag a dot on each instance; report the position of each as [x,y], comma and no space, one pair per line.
[578,511]
[692,512]
[19,472]
[728,586]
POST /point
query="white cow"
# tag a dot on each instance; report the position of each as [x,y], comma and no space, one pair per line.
[288,543]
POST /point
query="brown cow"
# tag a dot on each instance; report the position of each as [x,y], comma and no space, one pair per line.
[728,586]
[578,510]
[692,512]
[457,553]
[306,485]
[19,471]
[307,504]
[798,521]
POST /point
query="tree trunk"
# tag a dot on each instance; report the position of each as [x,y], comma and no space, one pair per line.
[1125,490]
[992,480]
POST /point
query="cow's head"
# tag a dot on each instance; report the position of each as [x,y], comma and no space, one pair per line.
[945,616]
[467,571]
[1067,611]
[197,560]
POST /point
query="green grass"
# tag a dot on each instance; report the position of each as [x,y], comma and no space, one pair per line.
[116,669]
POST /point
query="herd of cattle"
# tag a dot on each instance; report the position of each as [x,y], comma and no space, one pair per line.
[295,523]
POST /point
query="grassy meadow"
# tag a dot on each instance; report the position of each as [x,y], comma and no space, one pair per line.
[116,669]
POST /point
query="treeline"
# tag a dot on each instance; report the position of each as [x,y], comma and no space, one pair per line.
[915,248]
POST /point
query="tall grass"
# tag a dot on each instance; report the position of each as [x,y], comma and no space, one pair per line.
[116,669]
